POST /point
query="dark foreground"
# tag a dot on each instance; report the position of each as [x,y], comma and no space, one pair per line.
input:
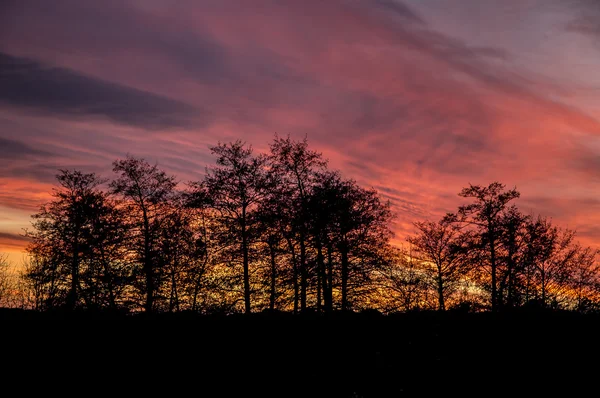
[281,355]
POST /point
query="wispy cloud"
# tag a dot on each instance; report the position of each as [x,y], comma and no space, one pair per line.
[13,149]
[394,97]
[59,91]
[10,242]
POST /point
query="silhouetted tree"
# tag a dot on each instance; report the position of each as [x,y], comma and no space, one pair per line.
[485,215]
[550,252]
[107,276]
[63,233]
[584,279]
[297,166]
[401,284]
[236,186]
[280,231]
[442,245]
[512,243]
[177,251]
[321,209]
[201,283]
[146,191]
[273,218]
[38,283]
[5,279]
[359,229]
[278,218]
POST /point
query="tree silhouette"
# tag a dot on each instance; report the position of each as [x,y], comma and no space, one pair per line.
[401,282]
[512,242]
[485,215]
[236,186]
[5,279]
[108,274]
[273,216]
[146,191]
[358,227]
[551,255]
[321,208]
[181,254]
[279,231]
[198,204]
[585,279]
[297,166]
[63,233]
[442,245]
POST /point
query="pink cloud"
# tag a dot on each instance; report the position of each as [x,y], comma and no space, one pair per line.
[390,100]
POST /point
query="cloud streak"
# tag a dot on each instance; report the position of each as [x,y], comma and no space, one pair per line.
[12,149]
[29,84]
[406,97]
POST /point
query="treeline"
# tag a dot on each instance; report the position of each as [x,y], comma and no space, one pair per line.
[280,231]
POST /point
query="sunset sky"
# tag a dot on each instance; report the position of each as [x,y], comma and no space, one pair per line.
[416,98]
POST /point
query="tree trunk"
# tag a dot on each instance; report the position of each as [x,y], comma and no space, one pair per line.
[294,274]
[319,297]
[246,265]
[527,281]
[303,273]
[329,284]
[72,302]
[173,299]
[148,271]
[493,265]
[344,253]
[502,290]
[273,276]
[510,295]
[511,289]
[197,282]
[109,280]
[196,291]
[543,275]
[322,281]
[440,289]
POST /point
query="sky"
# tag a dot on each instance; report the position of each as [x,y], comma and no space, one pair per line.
[415,98]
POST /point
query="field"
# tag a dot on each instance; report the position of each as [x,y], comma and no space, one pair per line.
[339,355]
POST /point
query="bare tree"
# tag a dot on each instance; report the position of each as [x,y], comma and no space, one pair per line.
[62,233]
[297,166]
[273,217]
[146,191]
[585,279]
[512,244]
[401,285]
[357,224]
[551,253]
[236,186]
[6,280]
[442,245]
[485,215]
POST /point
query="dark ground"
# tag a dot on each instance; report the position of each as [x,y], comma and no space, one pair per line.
[526,353]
